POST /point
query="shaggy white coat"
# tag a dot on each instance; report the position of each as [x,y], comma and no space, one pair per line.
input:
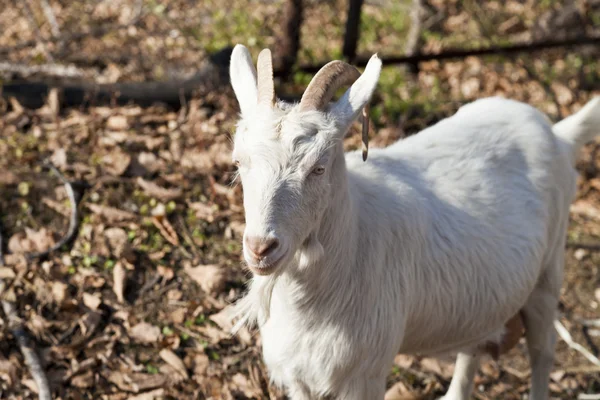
[428,247]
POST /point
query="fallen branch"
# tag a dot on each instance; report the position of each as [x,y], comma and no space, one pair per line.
[49,14]
[568,339]
[15,325]
[73,221]
[461,53]
[584,396]
[54,70]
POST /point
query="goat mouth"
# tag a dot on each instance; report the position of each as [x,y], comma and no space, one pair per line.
[266,266]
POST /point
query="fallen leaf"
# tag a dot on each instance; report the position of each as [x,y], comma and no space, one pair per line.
[399,391]
[111,214]
[8,178]
[150,162]
[118,242]
[145,333]
[438,367]
[59,292]
[404,361]
[210,277]
[119,276]
[7,273]
[152,395]
[201,363]
[153,190]
[116,162]
[245,386]
[117,123]
[8,371]
[204,211]
[173,360]
[92,301]
[59,158]
[136,382]
[84,380]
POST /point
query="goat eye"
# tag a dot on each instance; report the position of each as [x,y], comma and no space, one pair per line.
[318,170]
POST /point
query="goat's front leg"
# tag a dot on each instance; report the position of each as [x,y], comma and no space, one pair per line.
[461,385]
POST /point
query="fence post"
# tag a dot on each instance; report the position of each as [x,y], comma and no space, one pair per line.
[352,30]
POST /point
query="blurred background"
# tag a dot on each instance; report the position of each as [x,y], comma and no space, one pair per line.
[124,109]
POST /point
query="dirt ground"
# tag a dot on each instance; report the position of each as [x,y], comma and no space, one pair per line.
[133,309]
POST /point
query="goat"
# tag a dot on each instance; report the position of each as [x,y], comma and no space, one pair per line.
[429,247]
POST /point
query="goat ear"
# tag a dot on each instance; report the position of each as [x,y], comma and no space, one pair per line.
[242,74]
[349,106]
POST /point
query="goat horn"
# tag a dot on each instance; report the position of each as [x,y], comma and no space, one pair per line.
[323,86]
[266,86]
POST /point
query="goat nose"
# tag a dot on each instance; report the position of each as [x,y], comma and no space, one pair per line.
[261,247]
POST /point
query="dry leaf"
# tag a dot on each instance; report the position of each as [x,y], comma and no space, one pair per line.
[111,214]
[59,292]
[8,371]
[116,162]
[118,242]
[136,382]
[119,276]
[204,211]
[404,361]
[92,301]
[173,360]
[201,363]
[153,190]
[150,162]
[210,277]
[84,380]
[117,123]
[7,273]
[152,395]
[438,367]
[245,386]
[400,392]
[178,315]
[59,158]
[145,333]
[8,178]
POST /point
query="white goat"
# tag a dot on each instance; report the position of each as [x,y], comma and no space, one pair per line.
[430,246]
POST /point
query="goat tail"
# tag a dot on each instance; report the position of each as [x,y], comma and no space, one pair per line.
[580,128]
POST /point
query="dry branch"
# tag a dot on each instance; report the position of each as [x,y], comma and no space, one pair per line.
[25,345]
[568,339]
[462,53]
[50,17]
[73,221]
[52,69]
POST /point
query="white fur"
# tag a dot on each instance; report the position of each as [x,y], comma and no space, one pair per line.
[428,247]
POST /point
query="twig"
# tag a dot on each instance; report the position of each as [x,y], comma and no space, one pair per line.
[568,339]
[73,222]
[589,322]
[583,396]
[16,327]
[50,17]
